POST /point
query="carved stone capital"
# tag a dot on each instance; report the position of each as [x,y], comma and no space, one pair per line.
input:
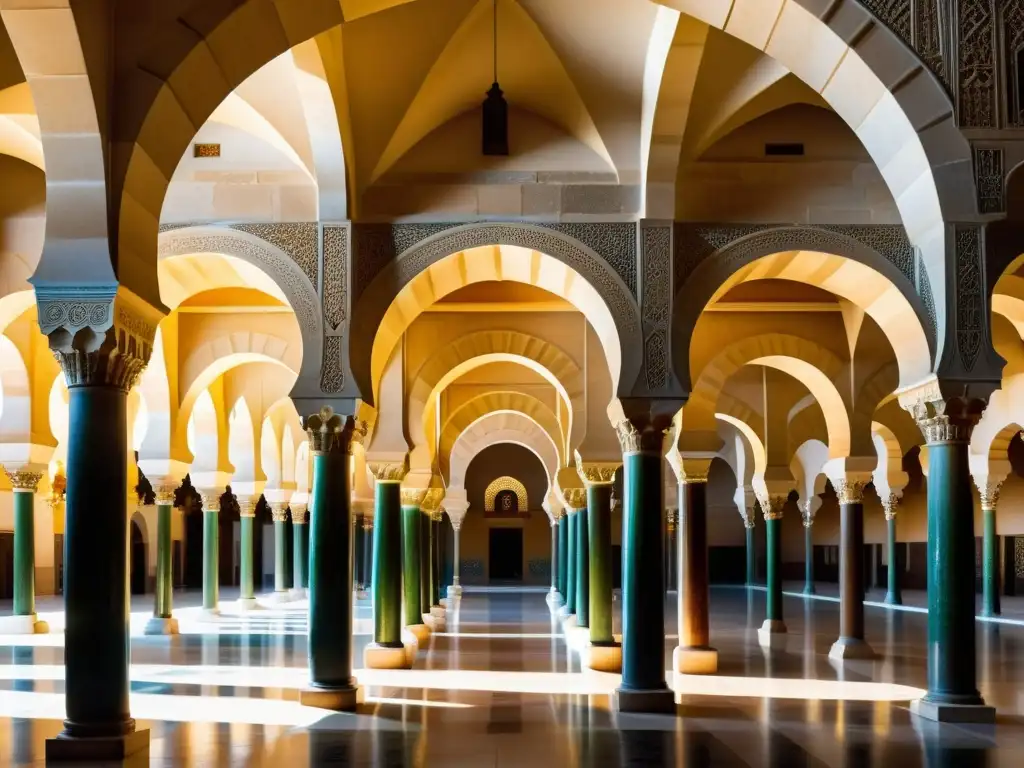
[164,493]
[943,419]
[279,511]
[23,480]
[806,512]
[329,431]
[413,497]
[642,424]
[388,471]
[210,498]
[849,490]
[772,506]
[574,498]
[750,517]
[300,514]
[247,506]
[432,501]
[890,503]
[989,493]
[101,335]
[596,472]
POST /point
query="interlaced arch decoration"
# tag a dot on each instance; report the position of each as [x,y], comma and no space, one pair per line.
[505,483]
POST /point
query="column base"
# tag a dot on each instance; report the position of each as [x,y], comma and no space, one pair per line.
[850,649]
[246,604]
[891,599]
[577,636]
[554,600]
[337,699]
[772,634]
[158,625]
[66,748]
[437,611]
[563,612]
[943,712]
[606,657]
[810,590]
[385,657]
[420,631]
[569,622]
[455,591]
[435,623]
[28,624]
[657,701]
[695,660]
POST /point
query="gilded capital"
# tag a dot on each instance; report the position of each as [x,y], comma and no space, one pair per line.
[772,506]
[300,514]
[890,503]
[849,490]
[211,498]
[247,507]
[806,513]
[574,498]
[332,432]
[24,480]
[641,437]
[279,511]
[388,471]
[949,420]
[432,501]
[749,518]
[413,497]
[596,472]
[164,494]
[989,493]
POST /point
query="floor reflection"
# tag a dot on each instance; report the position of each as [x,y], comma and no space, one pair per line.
[499,688]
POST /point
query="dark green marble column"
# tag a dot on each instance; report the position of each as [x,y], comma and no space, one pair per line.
[357,552]
[751,551]
[211,550]
[412,568]
[279,514]
[386,580]
[582,569]
[851,643]
[332,685]
[694,654]
[893,594]
[368,552]
[435,559]
[599,526]
[24,483]
[952,685]
[643,687]
[162,623]
[563,556]
[424,579]
[772,631]
[671,549]
[990,605]
[246,576]
[300,549]
[96,642]
[570,566]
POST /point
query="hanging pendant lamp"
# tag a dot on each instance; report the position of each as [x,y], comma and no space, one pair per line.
[495,117]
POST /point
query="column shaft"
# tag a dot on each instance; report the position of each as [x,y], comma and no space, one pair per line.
[300,554]
[305,531]
[24,553]
[751,555]
[808,557]
[411,572]
[599,525]
[330,571]
[96,650]
[570,583]
[435,562]
[671,551]
[357,551]
[424,581]
[990,565]
[563,555]
[694,624]
[387,565]
[773,529]
[554,556]
[893,595]
[951,646]
[456,562]
[246,576]
[367,553]
[643,577]
[851,581]
[164,577]
[280,555]
[211,555]
[582,569]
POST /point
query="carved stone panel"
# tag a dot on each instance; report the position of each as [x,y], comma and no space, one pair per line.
[969,295]
[655,312]
[1012,32]
[335,292]
[976,98]
[988,170]
[300,241]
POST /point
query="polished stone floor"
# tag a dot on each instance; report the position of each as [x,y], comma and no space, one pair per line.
[500,688]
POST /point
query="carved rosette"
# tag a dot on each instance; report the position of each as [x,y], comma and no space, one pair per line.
[279,511]
[849,491]
[23,480]
[247,506]
[388,471]
[889,505]
[989,493]
[100,336]
[300,514]
[771,507]
[413,497]
[332,432]
[575,499]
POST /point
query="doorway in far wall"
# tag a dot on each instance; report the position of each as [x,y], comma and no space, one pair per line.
[505,551]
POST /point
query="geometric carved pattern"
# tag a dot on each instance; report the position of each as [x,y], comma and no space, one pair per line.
[335,275]
[969,295]
[1018,556]
[976,47]
[332,376]
[1013,44]
[924,291]
[656,256]
[300,241]
[988,171]
[506,483]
